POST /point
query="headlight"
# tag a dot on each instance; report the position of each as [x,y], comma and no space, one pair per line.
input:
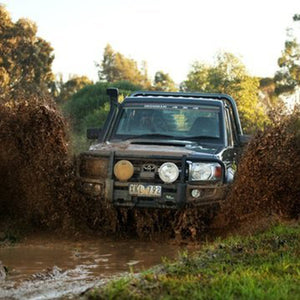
[93,167]
[168,172]
[204,171]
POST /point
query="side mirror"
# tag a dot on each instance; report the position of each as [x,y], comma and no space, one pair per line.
[244,139]
[93,133]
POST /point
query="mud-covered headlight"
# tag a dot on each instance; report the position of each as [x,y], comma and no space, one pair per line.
[168,172]
[204,171]
[93,167]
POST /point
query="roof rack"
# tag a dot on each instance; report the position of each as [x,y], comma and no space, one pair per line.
[179,94]
[216,96]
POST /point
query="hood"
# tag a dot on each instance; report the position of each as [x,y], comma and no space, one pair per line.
[145,148]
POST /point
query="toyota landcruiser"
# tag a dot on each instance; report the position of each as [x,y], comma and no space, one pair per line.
[163,150]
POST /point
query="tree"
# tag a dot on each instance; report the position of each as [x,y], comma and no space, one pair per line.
[296,17]
[267,94]
[91,101]
[26,59]
[66,89]
[288,77]
[228,75]
[222,77]
[116,67]
[163,82]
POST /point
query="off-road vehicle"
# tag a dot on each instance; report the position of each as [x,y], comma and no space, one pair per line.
[163,150]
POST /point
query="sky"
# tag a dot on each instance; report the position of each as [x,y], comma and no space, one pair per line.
[168,34]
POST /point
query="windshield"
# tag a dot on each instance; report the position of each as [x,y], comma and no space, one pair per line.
[189,122]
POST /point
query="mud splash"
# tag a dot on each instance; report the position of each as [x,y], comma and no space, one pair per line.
[33,161]
[267,186]
[50,268]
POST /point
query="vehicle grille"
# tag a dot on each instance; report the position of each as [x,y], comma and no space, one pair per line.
[147,169]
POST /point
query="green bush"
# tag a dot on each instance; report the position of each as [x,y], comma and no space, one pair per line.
[89,107]
[85,102]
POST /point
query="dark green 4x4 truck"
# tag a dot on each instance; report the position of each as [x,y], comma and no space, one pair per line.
[163,150]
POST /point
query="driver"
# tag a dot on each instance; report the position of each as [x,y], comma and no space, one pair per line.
[153,121]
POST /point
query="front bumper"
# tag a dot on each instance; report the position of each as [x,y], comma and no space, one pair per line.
[106,187]
[173,195]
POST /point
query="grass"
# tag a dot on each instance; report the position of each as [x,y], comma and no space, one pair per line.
[263,266]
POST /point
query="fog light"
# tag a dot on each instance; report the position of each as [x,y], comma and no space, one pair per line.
[168,172]
[92,188]
[195,193]
[97,188]
[123,170]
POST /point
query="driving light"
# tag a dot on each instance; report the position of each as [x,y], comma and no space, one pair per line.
[92,188]
[195,193]
[204,171]
[123,170]
[168,172]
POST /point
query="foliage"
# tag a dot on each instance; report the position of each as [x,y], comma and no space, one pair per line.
[163,82]
[288,77]
[25,59]
[89,107]
[116,67]
[264,266]
[228,75]
[268,96]
[86,101]
[64,90]
[125,85]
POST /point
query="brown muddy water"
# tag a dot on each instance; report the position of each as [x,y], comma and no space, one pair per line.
[50,269]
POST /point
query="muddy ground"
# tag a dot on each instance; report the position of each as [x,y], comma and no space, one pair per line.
[47,267]
[38,186]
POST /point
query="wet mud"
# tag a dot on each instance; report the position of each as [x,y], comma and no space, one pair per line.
[34,162]
[48,267]
[267,186]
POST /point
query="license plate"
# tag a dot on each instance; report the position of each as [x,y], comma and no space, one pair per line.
[145,190]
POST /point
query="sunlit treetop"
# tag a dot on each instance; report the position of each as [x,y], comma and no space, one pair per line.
[26,59]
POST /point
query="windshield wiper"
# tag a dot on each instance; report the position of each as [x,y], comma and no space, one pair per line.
[150,135]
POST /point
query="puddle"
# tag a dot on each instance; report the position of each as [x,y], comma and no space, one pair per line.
[43,269]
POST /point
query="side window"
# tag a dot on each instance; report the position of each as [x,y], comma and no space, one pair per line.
[228,127]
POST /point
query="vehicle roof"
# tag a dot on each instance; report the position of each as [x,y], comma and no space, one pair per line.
[171,100]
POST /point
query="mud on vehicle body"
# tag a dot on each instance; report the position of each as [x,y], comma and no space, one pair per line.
[163,150]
